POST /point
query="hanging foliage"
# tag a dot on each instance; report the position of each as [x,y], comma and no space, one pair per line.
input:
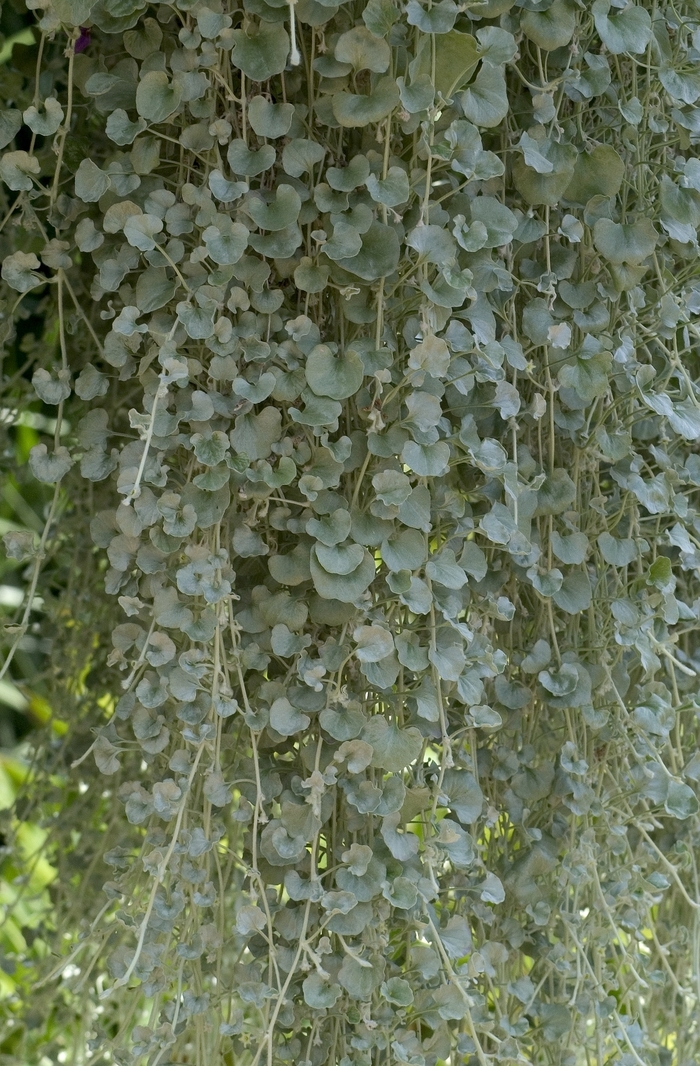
[367,349]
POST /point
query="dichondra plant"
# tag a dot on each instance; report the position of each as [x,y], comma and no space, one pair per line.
[363,338]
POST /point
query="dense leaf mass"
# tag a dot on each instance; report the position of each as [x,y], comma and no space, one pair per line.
[368,346]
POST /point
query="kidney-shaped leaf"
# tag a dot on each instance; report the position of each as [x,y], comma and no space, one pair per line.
[621,242]
[353,109]
[335,376]
[260,50]
[394,748]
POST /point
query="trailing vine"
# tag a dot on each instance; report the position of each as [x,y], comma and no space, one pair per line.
[369,356]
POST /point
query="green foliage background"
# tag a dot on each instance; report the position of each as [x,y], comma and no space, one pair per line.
[350,422]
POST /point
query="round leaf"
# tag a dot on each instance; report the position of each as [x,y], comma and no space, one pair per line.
[156,97]
[335,376]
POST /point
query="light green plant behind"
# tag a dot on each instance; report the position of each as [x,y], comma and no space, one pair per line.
[370,344]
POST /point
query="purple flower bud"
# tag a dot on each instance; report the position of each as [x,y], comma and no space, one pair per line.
[83,41]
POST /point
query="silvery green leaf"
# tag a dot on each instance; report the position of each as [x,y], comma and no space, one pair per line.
[485,717]
[379,16]
[51,390]
[345,179]
[587,84]
[268,119]
[411,653]
[506,399]
[404,550]
[310,277]
[532,155]
[556,493]
[625,242]
[45,122]
[278,245]
[360,977]
[260,49]
[402,845]
[373,643]
[485,101]
[628,30]
[456,937]
[291,568]
[210,448]
[144,40]
[226,241]
[552,27]
[572,229]
[545,188]
[317,411]
[464,795]
[245,542]
[286,719]
[589,377]
[681,801]
[126,323]
[447,655]
[617,551]
[344,241]
[197,321]
[391,486]
[121,129]
[197,138]
[342,724]
[224,190]
[440,18]
[283,211]
[320,993]
[90,383]
[330,529]
[496,46]
[154,289]
[18,271]
[356,754]
[683,87]
[87,238]
[433,243]
[106,756]
[362,50]
[450,1001]
[351,109]
[394,748]
[341,559]
[10,125]
[49,468]
[378,256]
[417,596]
[337,376]
[401,893]
[431,354]
[444,569]
[575,594]
[418,96]
[16,169]
[596,173]
[256,391]
[140,231]
[249,163]
[397,991]
[556,1021]
[571,549]
[473,560]
[301,155]
[216,790]
[156,97]
[426,460]
[392,190]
